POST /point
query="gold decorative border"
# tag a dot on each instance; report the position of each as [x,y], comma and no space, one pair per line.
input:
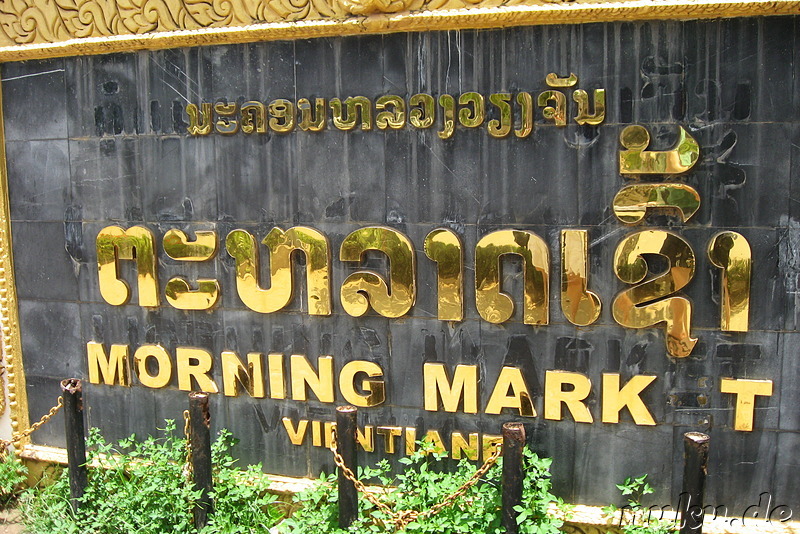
[35,29]
[31,29]
[9,314]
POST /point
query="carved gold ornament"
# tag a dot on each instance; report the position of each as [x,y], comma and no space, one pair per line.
[34,29]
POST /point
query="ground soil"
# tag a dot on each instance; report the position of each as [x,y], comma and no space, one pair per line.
[10,522]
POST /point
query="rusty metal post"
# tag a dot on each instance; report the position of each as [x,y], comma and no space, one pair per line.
[695,468]
[513,444]
[200,444]
[346,429]
[72,393]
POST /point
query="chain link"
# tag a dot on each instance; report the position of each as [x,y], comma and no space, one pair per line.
[402,518]
[17,437]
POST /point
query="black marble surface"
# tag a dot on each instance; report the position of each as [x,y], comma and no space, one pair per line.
[112,148]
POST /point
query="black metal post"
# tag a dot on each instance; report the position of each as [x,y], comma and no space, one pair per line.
[513,443]
[200,442]
[346,417]
[695,468]
[72,393]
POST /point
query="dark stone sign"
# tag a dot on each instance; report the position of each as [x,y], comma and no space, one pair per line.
[590,229]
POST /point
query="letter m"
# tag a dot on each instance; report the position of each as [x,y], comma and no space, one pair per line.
[113,369]
[464,387]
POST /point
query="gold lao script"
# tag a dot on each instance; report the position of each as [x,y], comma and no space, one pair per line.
[500,114]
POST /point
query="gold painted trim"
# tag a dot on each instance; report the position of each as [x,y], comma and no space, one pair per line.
[33,30]
[9,313]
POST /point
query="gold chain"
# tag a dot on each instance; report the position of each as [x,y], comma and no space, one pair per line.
[187,468]
[17,437]
[402,518]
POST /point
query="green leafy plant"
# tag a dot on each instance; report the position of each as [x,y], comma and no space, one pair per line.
[141,486]
[13,476]
[634,518]
[425,482]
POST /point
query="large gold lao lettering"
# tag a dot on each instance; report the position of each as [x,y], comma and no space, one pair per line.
[444,247]
[363,289]
[136,243]
[496,306]
[580,306]
[639,307]
[178,247]
[241,246]
[730,251]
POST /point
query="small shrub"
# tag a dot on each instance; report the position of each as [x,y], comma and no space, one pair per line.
[423,484]
[142,488]
[13,476]
[634,518]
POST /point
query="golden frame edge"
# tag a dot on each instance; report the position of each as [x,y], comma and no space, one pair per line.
[340,18]
[9,312]
[344,18]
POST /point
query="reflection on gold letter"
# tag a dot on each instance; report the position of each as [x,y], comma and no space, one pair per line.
[472,118]
[199,121]
[355,105]
[314,245]
[366,439]
[250,376]
[389,434]
[242,246]
[746,392]
[183,297]
[394,118]
[634,307]
[632,202]
[113,244]
[194,363]
[164,373]
[496,306]
[448,104]
[178,247]
[296,435]
[376,389]
[307,122]
[434,439]
[615,399]
[555,396]
[636,160]
[525,101]
[444,247]
[363,289]
[281,112]
[553,80]
[490,443]
[556,114]
[424,115]
[254,117]
[580,306]
[277,386]
[437,385]
[501,128]
[730,251]
[226,124]
[519,399]
[303,374]
[459,446]
[114,369]
[584,117]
